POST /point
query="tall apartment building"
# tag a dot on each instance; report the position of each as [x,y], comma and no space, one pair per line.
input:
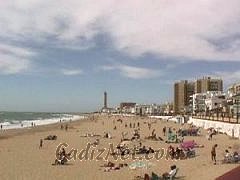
[207,84]
[182,92]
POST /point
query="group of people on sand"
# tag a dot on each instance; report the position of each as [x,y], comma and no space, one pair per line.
[167,175]
[180,153]
[124,149]
[228,157]
[66,127]
[172,152]
[144,150]
[233,157]
[33,124]
[132,125]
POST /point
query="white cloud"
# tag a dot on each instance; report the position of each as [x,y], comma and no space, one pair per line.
[14,59]
[133,72]
[71,72]
[191,29]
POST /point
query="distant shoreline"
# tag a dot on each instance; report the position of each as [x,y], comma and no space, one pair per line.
[20,120]
[8,133]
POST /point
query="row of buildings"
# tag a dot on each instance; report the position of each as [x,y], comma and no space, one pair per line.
[205,96]
[138,109]
[146,109]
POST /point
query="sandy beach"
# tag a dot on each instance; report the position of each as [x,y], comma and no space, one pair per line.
[21,157]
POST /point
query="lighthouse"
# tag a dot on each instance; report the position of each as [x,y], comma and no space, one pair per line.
[105,100]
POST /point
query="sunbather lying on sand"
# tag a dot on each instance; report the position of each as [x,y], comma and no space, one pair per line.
[95,143]
[90,135]
[107,135]
[112,166]
[51,137]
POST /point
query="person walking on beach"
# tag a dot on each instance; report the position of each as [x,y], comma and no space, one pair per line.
[66,127]
[213,154]
[164,130]
[41,143]
[169,130]
[1,126]
[138,124]
[149,126]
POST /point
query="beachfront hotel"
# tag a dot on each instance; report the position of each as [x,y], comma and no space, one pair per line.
[184,91]
[205,99]
[208,84]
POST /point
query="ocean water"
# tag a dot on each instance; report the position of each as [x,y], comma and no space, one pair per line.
[14,120]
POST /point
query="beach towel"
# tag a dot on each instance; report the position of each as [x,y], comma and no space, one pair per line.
[140,164]
[188,144]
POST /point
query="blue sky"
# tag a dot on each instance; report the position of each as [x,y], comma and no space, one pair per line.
[62,56]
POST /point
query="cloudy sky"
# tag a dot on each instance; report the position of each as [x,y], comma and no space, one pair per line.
[62,55]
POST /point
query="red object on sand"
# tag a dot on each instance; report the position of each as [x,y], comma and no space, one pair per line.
[188,144]
[234,174]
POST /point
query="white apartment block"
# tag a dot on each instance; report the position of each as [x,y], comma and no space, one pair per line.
[214,100]
[211,100]
[198,102]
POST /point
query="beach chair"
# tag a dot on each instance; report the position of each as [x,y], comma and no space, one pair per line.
[229,160]
[191,153]
[172,138]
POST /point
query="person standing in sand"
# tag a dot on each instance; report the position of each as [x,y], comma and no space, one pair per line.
[213,154]
[41,143]
[164,130]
